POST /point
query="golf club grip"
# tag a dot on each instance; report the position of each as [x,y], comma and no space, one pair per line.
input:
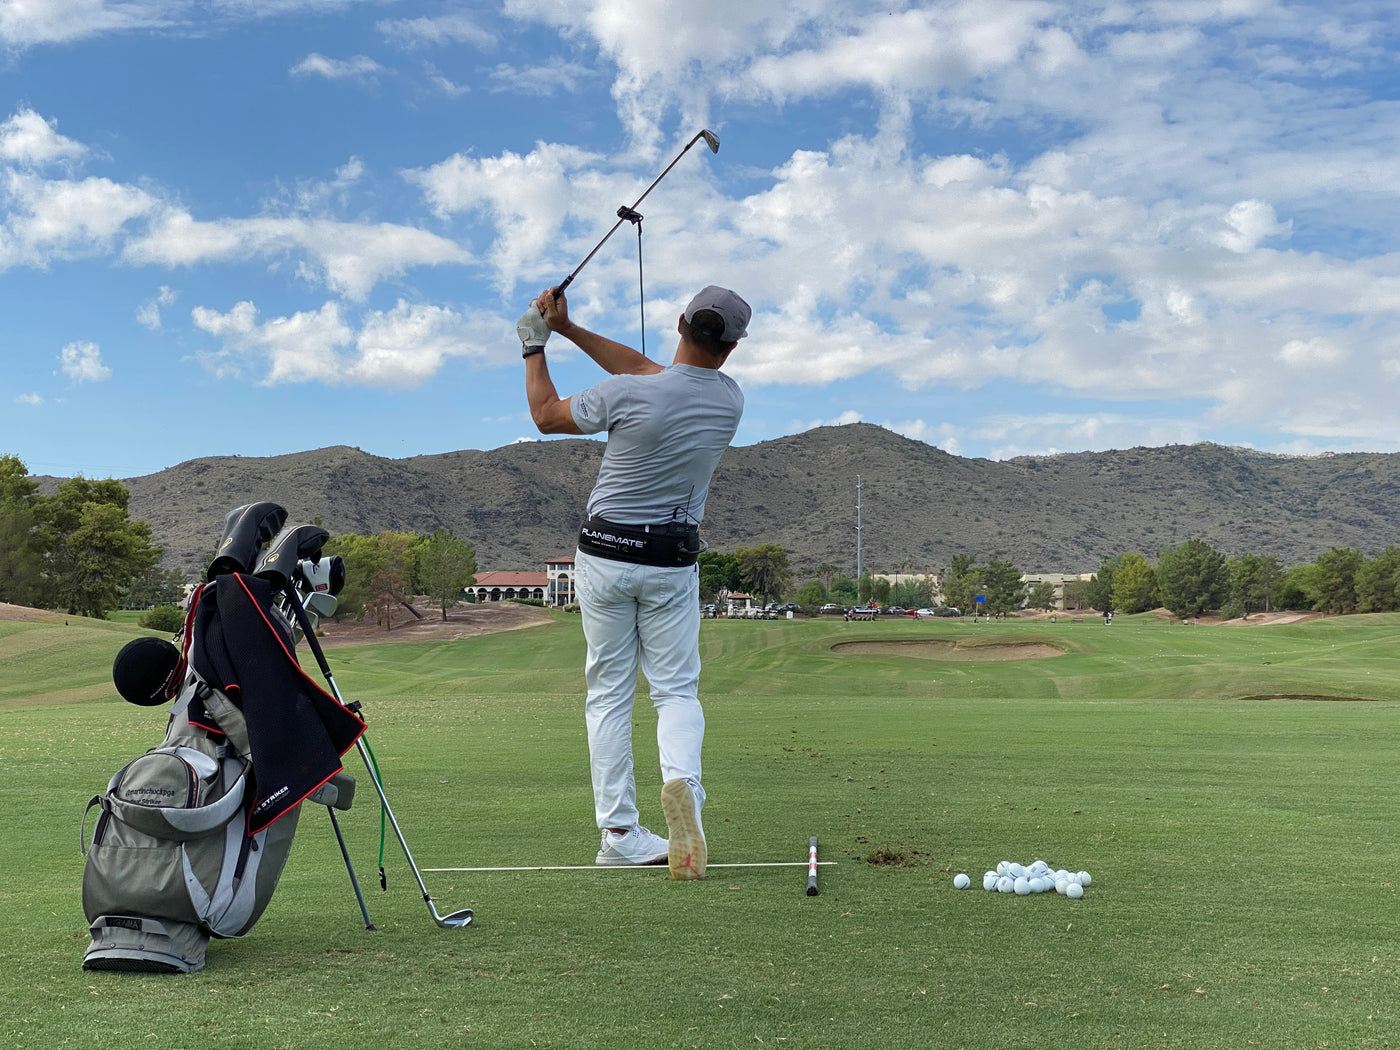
[812,866]
[559,288]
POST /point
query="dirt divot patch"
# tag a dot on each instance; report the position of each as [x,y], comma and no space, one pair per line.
[958,652]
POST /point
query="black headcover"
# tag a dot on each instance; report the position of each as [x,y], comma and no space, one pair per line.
[246,529]
[294,544]
[142,668]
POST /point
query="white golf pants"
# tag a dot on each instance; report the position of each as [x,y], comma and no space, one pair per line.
[639,615]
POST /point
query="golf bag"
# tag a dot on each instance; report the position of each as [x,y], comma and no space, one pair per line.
[192,836]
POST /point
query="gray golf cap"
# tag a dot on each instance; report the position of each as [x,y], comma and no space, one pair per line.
[731,309]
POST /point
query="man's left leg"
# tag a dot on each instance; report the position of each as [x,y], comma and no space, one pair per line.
[668,622]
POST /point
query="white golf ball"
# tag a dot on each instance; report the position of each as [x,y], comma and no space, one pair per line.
[1036,886]
[1062,885]
[1085,878]
[1016,871]
[1003,867]
[1022,886]
[961,881]
[989,881]
[1005,884]
[1039,867]
[1074,891]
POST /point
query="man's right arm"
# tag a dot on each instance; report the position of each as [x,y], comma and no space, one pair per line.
[613,357]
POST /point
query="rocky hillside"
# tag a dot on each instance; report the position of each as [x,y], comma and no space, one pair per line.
[522,503]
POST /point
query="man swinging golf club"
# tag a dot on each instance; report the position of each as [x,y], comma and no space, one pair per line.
[636,573]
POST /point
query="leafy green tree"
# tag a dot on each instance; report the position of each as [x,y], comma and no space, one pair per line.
[21,558]
[156,587]
[1378,582]
[94,551]
[1192,578]
[718,572]
[764,570]
[167,618]
[1041,596]
[95,562]
[1098,590]
[1076,594]
[812,596]
[1134,584]
[1335,580]
[880,589]
[1297,589]
[445,566]
[912,594]
[865,588]
[960,583]
[844,590]
[1001,583]
[364,562]
[1253,579]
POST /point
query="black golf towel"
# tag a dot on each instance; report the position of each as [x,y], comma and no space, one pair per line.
[296,730]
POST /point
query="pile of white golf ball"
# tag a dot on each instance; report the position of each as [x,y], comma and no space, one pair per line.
[1025,879]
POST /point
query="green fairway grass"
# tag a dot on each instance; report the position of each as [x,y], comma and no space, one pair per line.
[1243,850]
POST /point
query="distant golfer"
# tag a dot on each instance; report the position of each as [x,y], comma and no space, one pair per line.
[637,581]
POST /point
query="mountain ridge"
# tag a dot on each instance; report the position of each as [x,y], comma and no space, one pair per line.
[523,502]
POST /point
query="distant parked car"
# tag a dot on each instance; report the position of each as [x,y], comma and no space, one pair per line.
[942,610]
[831,607]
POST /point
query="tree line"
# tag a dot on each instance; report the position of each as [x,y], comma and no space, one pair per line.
[1188,580]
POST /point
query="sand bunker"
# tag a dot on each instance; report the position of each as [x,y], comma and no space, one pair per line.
[934,649]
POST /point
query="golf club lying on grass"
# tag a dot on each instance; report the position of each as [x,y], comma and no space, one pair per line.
[626,214]
[281,567]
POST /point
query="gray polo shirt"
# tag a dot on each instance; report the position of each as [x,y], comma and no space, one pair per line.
[666,433]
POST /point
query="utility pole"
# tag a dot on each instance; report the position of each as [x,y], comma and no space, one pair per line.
[859,571]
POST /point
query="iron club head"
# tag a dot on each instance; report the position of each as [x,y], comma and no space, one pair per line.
[454,920]
[711,140]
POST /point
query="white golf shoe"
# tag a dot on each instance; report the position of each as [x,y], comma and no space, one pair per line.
[634,847]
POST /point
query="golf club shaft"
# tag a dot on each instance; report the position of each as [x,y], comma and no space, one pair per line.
[713,142]
[459,918]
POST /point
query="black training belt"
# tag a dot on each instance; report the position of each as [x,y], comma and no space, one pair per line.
[672,544]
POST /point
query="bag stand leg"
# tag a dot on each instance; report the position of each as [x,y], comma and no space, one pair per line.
[354,882]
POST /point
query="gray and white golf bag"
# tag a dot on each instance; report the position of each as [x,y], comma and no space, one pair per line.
[192,836]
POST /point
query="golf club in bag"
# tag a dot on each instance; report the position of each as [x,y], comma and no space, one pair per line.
[192,836]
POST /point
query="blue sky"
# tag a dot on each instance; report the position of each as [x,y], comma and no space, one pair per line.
[1002,227]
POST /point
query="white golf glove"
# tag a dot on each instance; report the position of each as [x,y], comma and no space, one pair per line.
[533,332]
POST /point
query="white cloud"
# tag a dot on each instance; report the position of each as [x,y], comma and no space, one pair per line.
[26,23]
[1311,353]
[33,400]
[357,67]
[401,347]
[44,221]
[82,363]
[148,313]
[27,138]
[348,258]
[553,77]
[443,30]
